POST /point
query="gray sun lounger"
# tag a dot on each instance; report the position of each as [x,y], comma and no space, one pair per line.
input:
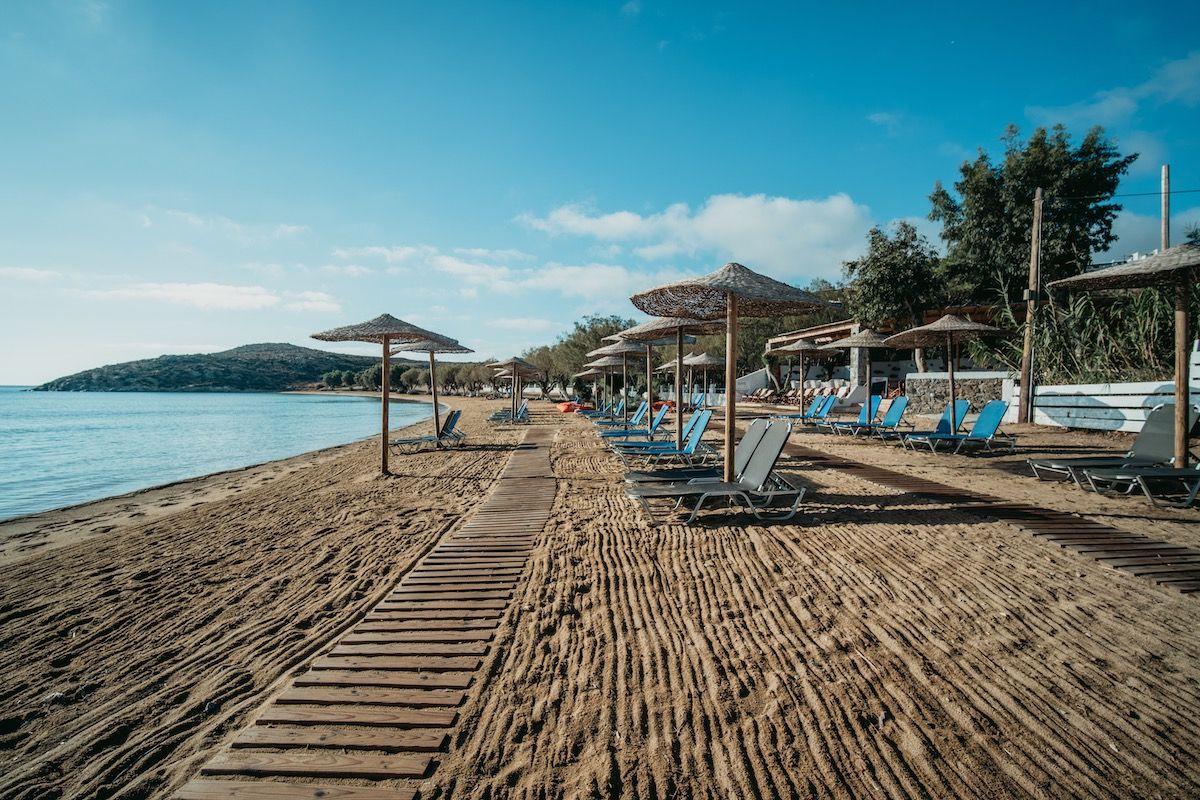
[741,457]
[1155,482]
[757,490]
[1154,446]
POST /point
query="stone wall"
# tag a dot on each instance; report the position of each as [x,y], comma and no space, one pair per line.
[929,392]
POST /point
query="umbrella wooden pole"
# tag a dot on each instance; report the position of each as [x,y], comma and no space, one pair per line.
[730,380]
[649,390]
[1182,378]
[437,420]
[679,388]
[802,376]
[384,390]
[953,393]
[624,387]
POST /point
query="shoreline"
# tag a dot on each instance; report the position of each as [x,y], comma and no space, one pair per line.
[42,531]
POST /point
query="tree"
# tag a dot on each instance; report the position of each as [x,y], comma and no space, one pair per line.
[413,377]
[987,227]
[897,279]
[332,379]
[371,377]
[347,378]
[1192,235]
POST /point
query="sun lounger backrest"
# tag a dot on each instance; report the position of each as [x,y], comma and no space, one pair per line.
[826,407]
[765,455]
[961,407]
[746,447]
[816,403]
[1156,440]
[697,432]
[869,410]
[448,425]
[658,417]
[895,412]
[989,419]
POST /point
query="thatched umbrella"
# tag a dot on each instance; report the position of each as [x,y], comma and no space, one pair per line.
[607,363]
[863,340]
[593,374]
[728,292]
[516,365]
[432,346]
[1174,266]
[704,361]
[948,331]
[801,347]
[619,347]
[386,330]
[653,331]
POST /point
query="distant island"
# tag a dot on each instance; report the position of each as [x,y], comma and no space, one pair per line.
[269,367]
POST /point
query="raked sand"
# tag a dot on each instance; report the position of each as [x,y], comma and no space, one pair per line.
[879,647]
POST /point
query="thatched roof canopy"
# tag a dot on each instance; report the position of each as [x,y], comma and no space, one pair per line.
[863,339]
[1164,267]
[373,330]
[431,346]
[704,298]
[949,327]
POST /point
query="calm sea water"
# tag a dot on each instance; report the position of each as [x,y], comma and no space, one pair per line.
[62,448]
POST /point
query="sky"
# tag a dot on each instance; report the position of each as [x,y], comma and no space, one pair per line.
[189,177]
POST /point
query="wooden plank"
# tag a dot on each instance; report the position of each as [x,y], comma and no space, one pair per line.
[397,679]
[319,765]
[443,591]
[358,715]
[1159,560]
[433,615]
[377,636]
[442,605]
[428,625]
[201,789]
[472,584]
[431,663]
[387,741]
[370,695]
[410,649]
[1159,569]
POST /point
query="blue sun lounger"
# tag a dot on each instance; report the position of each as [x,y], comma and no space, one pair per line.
[961,407]
[741,457]
[639,433]
[657,452]
[984,433]
[448,435]
[866,416]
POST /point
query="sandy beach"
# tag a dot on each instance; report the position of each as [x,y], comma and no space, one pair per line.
[879,645]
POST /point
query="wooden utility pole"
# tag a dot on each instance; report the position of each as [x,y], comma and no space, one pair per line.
[1025,411]
[1183,338]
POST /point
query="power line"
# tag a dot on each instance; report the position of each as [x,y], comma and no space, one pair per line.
[1126,194]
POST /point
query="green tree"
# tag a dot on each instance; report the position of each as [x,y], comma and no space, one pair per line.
[897,279]
[987,226]
[371,377]
[348,378]
[332,379]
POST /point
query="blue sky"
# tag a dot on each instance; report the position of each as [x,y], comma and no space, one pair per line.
[186,177]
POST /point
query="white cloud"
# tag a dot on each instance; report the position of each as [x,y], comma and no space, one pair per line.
[201,295]
[311,301]
[350,270]
[242,232]
[391,255]
[493,255]
[1175,82]
[28,274]
[220,296]
[632,8]
[888,120]
[491,276]
[786,236]
[1140,233]
[524,324]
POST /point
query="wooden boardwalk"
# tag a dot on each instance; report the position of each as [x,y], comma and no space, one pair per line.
[1166,564]
[373,711]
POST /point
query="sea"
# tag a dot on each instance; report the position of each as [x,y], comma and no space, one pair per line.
[63,448]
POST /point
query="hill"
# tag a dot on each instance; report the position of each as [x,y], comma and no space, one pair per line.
[267,367]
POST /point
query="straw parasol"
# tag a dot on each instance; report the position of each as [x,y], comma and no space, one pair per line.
[801,347]
[863,340]
[728,292]
[384,329]
[516,365]
[1173,266]
[432,346]
[620,347]
[607,363]
[948,331]
[652,332]
[704,361]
